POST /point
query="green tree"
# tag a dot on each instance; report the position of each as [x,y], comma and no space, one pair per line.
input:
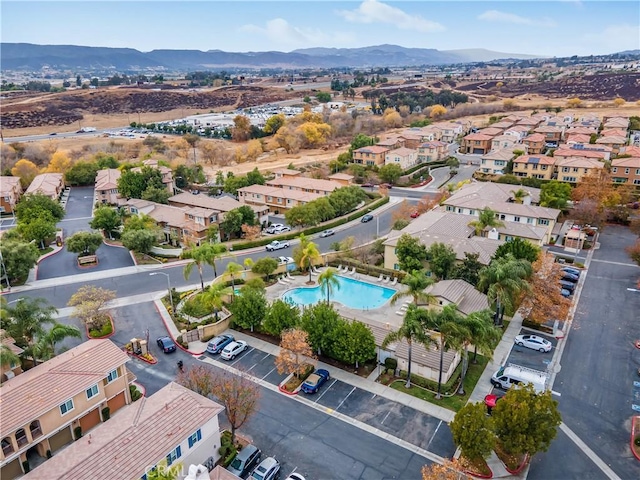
[139,241]
[416,282]
[38,228]
[84,243]
[526,421]
[254,177]
[468,269]
[555,194]
[477,330]
[205,254]
[303,215]
[504,280]
[46,345]
[105,218]
[310,255]
[328,281]
[232,223]
[140,222]
[390,173]
[280,316]
[354,343]
[359,141]
[519,195]
[520,249]
[32,206]
[156,194]
[265,266]
[473,431]
[324,209]
[249,309]
[25,323]
[274,123]
[442,260]
[19,257]
[233,183]
[321,323]
[411,330]
[410,252]
[487,219]
[345,199]
[131,184]
[323,97]
[231,271]
[81,173]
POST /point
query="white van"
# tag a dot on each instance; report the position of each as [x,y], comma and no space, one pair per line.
[511,375]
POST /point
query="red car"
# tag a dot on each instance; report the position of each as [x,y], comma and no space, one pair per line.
[415,214]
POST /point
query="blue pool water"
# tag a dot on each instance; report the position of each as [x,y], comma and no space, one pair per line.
[352,293]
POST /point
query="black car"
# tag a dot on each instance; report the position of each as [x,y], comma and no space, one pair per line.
[572,271]
[569,277]
[166,344]
[567,285]
[367,218]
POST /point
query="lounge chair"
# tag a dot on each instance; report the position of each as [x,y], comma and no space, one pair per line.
[313,272]
[281,282]
[353,270]
[317,269]
[395,280]
[401,313]
[340,268]
[379,278]
[285,279]
[289,276]
[386,280]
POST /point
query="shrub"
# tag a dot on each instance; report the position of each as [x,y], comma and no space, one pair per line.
[26,466]
[103,331]
[49,455]
[77,432]
[135,393]
[194,307]
[391,364]
[106,414]
[227,450]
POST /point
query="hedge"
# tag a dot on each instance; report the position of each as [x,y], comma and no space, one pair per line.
[422,165]
[312,230]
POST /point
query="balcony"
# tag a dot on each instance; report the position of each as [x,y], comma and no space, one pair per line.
[22,440]
[7,447]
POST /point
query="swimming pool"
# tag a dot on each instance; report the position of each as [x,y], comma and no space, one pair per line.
[352,293]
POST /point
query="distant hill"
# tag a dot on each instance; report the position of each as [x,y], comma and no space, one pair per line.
[27,56]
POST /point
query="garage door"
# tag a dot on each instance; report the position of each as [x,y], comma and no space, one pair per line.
[116,403]
[11,470]
[479,151]
[60,439]
[90,420]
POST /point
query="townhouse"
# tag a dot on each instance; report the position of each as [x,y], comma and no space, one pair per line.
[518,131]
[173,425]
[304,184]
[614,142]
[535,143]
[503,141]
[574,151]
[373,155]
[449,131]
[55,403]
[574,169]
[534,166]
[276,200]
[10,369]
[403,157]
[495,162]
[626,170]
[49,184]
[477,143]
[552,133]
[10,193]
[106,189]
[432,151]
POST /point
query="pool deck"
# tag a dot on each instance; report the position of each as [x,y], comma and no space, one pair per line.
[383,317]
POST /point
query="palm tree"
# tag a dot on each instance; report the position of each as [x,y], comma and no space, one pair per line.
[205,254]
[57,333]
[328,281]
[232,270]
[213,296]
[248,263]
[486,219]
[310,254]
[519,195]
[25,323]
[503,281]
[478,330]
[416,283]
[412,329]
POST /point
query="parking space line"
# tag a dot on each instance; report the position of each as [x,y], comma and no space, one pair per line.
[345,398]
[326,389]
[254,365]
[434,434]
[268,373]
[374,396]
[266,355]
[385,417]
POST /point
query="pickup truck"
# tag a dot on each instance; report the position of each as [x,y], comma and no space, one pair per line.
[276,245]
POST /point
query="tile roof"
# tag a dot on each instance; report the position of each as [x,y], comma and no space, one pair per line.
[535,159]
[388,142]
[517,128]
[500,154]
[46,183]
[614,132]
[10,343]
[341,176]
[376,149]
[463,294]
[577,138]
[615,140]
[173,216]
[287,171]
[402,151]
[633,151]
[529,121]
[221,204]
[46,386]
[535,137]
[491,131]
[221,473]
[107,179]
[498,192]
[633,162]
[305,183]
[582,130]
[137,436]
[9,184]
[298,195]
[574,152]
[502,124]
[580,162]
[548,129]
[478,136]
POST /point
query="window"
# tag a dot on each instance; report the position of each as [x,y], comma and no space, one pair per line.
[174,455]
[637,171]
[614,170]
[565,169]
[543,221]
[529,220]
[66,407]
[112,376]
[516,219]
[472,212]
[626,171]
[636,182]
[92,391]
[195,438]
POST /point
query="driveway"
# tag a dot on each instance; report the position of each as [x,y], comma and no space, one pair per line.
[78,215]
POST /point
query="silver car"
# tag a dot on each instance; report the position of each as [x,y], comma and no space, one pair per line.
[327,233]
[533,342]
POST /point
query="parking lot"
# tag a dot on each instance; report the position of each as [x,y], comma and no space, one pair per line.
[415,427]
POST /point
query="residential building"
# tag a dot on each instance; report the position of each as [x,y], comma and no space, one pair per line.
[614,132]
[582,130]
[530,122]
[534,166]
[47,407]
[576,138]
[174,425]
[391,143]
[49,184]
[615,142]
[167,174]
[626,170]
[573,169]
[221,204]
[518,131]
[373,155]
[503,141]
[9,370]
[432,152]
[616,122]
[495,162]
[10,193]
[560,120]
[477,143]
[464,295]
[535,143]
[286,172]
[449,131]
[491,131]
[343,179]
[304,184]
[277,200]
[503,124]
[564,153]
[633,151]
[107,186]
[552,133]
[404,157]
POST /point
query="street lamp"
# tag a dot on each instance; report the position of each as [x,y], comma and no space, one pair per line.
[169,285]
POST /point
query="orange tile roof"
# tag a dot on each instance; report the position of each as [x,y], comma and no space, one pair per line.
[633,151]
[535,159]
[372,149]
[574,152]
[107,179]
[633,162]
[581,162]
[536,137]
[305,183]
[478,136]
[46,386]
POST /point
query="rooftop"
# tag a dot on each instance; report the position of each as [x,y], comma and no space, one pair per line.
[107,179]
[463,294]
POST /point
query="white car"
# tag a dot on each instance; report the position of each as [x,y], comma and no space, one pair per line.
[282,229]
[295,476]
[533,342]
[233,349]
[285,259]
[327,233]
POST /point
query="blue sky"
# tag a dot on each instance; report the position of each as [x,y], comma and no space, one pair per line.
[551,28]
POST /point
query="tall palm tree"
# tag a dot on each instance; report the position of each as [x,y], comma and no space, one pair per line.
[205,254]
[25,322]
[213,296]
[232,270]
[57,333]
[504,280]
[477,329]
[416,283]
[328,281]
[411,330]
[519,195]
[310,254]
[487,218]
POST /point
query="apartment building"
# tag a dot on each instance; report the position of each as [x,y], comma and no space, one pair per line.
[174,425]
[9,370]
[432,151]
[534,166]
[49,184]
[573,169]
[477,143]
[276,200]
[535,143]
[49,406]
[304,184]
[373,155]
[626,170]
[403,157]
[495,162]
[107,186]
[10,193]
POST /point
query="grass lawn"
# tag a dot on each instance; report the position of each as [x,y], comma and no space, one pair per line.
[455,402]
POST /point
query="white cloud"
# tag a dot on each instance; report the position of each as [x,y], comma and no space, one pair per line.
[281,32]
[372,11]
[614,38]
[504,17]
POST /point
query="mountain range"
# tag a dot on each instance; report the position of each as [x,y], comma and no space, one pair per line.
[27,56]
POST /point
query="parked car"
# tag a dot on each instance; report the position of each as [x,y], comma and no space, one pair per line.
[276,245]
[267,470]
[282,229]
[327,233]
[564,292]
[285,260]
[366,218]
[246,459]
[166,344]
[233,349]
[533,342]
[273,228]
[572,271]
[368,185]
[570,278]
[314,381]
[386,185]
[415,214]
[295,476]
[217,344]
[568,285]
